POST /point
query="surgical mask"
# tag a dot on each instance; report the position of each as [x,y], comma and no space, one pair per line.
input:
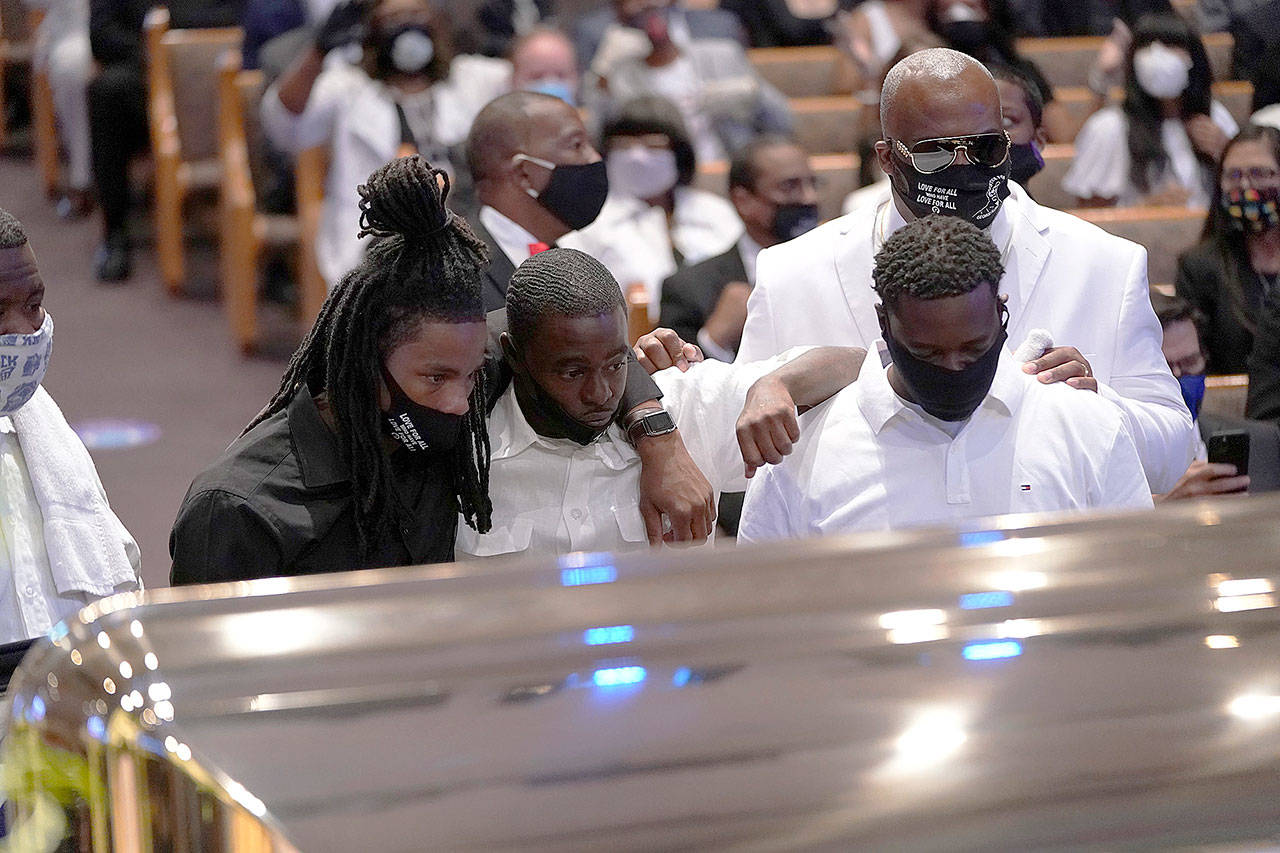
[548,418]
[948,395]
[1192,392]
[576,192]
[1025,162]
[1161,72]
[407,50]
[23,361]
[418,427]
[556,88]
[642,172]
[792,220]
[973,193]
[1253,210]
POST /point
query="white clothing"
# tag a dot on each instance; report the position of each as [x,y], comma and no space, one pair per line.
[885,41]
[872,195]
[867,460]
[635,242]
[1101,168]
[679,83]
[512,239]
[318,10]
[62,51]
[355,117]
[1086,287]
[61,547]
[553,496]
[1267,115]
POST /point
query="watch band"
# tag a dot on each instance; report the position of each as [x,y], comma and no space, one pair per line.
[654,422]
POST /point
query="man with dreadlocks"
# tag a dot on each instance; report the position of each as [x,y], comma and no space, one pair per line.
[564,475]
[946,427]
[376,439]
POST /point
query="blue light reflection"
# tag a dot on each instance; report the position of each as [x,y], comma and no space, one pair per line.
[97,727]
[618,676]
[983,600]
[997,650]
[588,575]
[977,538]
[608,635]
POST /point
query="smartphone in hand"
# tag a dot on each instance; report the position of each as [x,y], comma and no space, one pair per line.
[1232,447]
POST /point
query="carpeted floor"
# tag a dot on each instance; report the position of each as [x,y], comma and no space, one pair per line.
[129,352]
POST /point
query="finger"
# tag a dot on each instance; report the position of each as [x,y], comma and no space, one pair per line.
[750,448]
[642,359]
[681,524]
[1084,383]
[693,353]
[652,522]
[1216,470]
[781,440]
[674,347]
[1227,485]
[749,471]
[791,425]
[1062,373]
[657,353]
[769,452]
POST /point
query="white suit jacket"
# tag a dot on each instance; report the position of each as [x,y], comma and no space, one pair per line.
[1088,288]
[356,117]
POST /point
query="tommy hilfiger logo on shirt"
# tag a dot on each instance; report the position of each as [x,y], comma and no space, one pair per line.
[1026,487]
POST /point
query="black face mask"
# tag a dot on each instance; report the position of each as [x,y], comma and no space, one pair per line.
[792,220]
[966,36]
[948,395]
[1024,162]
[417,427]
[547,417]
[576,192]
[973,193]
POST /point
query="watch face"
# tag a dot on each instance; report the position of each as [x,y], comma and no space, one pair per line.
[658,423]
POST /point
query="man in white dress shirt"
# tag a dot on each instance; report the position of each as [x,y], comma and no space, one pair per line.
[563,476]
[949,428]
[945,152]
[61,547]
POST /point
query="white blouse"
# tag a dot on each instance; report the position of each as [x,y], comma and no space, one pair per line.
[1101,166]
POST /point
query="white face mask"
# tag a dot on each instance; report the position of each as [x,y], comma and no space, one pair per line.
[412,50]
[23,361]
[1161,71]
[642,172]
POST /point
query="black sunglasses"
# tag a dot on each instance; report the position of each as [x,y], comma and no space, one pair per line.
[933,155]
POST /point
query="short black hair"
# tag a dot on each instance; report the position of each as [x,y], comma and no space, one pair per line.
[654,114]
[744,170]
[1030,89]
[501,130]
[935,257]
[560,282]
[12,234]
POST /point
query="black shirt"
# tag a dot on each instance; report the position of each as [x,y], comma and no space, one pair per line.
[278,502]
[1201,281]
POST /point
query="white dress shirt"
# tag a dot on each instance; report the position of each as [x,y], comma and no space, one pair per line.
[634,239]
[553,496]
[1086,287]
[1102,164]
[867,460]
[512,239]
[32,598]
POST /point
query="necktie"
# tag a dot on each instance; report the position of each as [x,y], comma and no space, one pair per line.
[535,248]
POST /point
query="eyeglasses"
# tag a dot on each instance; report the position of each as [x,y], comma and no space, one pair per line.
[1256,176]
[933,155]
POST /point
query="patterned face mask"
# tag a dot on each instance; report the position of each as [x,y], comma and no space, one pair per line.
[23,361]
[1252,210]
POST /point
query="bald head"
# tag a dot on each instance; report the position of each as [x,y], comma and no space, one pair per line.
[509,125]
[938,92]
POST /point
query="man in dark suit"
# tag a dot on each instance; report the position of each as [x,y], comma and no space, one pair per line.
[118,108]
[537,177]
[775,193]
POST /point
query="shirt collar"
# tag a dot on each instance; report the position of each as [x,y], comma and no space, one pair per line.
[879,403]
[6,425]
[314,444]
[749,250]
[513,435]
[511,238]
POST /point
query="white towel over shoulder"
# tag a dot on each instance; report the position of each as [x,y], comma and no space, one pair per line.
[89,548]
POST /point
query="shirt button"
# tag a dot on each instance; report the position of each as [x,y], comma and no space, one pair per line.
[577,514]
[30,591]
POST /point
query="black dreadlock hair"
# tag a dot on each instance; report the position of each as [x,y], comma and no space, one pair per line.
[561,282]
[12,234]
[934,257]
[425,264]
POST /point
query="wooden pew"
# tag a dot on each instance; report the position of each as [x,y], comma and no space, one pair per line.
[1046,187]
[800,72]
[182,93]
[837,177]
[833,124]
[1166,232]
[1225,395]
[1066,61]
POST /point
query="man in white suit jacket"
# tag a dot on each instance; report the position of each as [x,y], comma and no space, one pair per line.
[1087,287]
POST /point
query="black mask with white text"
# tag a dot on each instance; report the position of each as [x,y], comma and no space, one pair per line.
[418,427]
[971,192]
[547,417]
[948,395]
[792,220]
